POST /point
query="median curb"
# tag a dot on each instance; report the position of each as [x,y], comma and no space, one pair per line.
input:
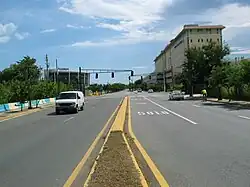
[116,165]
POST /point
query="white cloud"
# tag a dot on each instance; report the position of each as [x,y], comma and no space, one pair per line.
[135,19]
[240,50]
[48,30]
[138,20]
[4,39]
[6,31]
[77,27]
[21,36]
[9,30]
[128,38]
[140,67]
[233,16]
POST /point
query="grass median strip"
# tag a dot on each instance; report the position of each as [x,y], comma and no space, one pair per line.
[115,165]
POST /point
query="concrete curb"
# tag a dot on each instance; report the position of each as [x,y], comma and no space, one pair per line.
[232,103]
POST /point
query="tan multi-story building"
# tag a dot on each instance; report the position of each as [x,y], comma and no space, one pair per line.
[170,59]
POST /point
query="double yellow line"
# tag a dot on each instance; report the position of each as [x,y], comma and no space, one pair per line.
[118,125]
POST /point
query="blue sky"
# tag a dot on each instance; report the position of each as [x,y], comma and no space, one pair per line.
[121,34]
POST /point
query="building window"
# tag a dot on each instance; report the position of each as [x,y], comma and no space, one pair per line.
[201,40]
[198,30]
[218,31]
[211,40]
[190,30]
[198,40]
[207,40]
[218,40]
[191,41]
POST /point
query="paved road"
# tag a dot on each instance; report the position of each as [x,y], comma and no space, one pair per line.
[42,149]
[194,144]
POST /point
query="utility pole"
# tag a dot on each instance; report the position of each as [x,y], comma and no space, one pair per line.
[79,78]
[84,82]
[57,77]
[47,67]
[164,81]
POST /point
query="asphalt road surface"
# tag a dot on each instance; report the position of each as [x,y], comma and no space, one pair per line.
[194,143]
[42,149]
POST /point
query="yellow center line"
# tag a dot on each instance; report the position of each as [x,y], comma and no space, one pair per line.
[159,177]
[118,124]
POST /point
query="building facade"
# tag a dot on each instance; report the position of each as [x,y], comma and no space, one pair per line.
[171,59]
[69,77]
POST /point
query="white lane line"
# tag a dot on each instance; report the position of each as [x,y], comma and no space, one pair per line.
[196,106]
[244,117]
[170,111]
[68,119]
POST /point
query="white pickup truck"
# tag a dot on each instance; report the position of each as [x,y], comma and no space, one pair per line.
[176,95]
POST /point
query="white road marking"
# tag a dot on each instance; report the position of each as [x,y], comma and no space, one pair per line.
[141,103]
[157,113]
[68,119]
[151,113]
[196,106]
[244,117]
[141,113]
[170,111]
[164,112]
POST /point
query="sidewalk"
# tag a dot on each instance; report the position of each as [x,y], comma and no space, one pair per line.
[17,112]
[232,102]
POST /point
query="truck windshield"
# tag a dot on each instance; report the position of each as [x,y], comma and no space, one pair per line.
[67,96]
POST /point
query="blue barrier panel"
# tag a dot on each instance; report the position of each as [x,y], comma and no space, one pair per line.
[33,102]
[4,108]
[47,100]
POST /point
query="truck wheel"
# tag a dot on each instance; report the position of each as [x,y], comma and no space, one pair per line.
[57,112]
[76,109]
[82,107]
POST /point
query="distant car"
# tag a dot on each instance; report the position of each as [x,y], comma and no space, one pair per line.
[176,95]
[70,101]
[139,90]
[150,91]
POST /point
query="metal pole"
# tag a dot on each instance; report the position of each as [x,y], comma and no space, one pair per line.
[69,76]
[164,81]
[84,83]
[57,77]
[79,79]
[47,67]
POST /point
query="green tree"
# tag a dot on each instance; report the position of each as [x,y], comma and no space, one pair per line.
[200,62]
[26,73]
[4,93]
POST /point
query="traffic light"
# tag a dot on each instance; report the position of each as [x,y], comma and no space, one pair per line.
[129,78]
[132,73]
[96,76]
[149,77]
[112,74]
